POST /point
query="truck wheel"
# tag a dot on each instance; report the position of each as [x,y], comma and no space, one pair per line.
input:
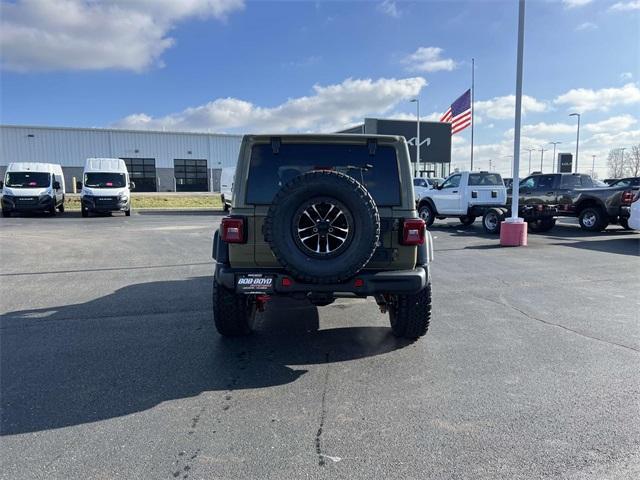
[592,219]
[542,225]
[624,223]
[323,227]
[467,220]
[233,314]
[425,212]
[53,209]
[61,207]
[127,212]
[84,211]
[492,220]
[410,315]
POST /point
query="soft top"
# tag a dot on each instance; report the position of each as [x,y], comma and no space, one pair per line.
[105,165]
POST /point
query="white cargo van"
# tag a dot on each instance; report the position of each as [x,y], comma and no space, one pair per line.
[226,186]
[105,186]
[32,187]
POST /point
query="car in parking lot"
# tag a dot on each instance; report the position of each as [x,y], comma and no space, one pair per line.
[320,217]
[106,187]
[633,182]
[32,187]
[575,196]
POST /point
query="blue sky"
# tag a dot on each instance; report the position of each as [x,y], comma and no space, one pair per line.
[234,66]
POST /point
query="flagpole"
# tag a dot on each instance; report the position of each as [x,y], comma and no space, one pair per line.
[472,109]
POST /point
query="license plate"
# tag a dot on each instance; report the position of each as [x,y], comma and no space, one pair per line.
[254,283]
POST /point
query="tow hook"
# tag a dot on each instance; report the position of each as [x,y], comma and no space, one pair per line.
[261,301]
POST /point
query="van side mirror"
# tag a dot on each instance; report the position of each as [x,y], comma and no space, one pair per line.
[132,185]
[439,187]
[78,185]
[56,185]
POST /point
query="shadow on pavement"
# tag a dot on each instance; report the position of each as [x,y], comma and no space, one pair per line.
[149,343]
[620,246]
[181,212]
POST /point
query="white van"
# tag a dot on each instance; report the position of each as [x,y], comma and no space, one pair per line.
[105,186]
[32,187]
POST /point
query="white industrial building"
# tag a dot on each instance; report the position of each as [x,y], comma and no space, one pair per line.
[157,161]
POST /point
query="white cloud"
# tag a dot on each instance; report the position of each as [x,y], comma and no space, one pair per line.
[626,76]
[389,7]
[329,108]
[575,3]
[625,6]
[504,107]
[584,99]
[586,26]
[89,35]
[428,59]
[613,124]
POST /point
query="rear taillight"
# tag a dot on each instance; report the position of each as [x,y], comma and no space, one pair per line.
[627,197]
[233,230]
[413,231]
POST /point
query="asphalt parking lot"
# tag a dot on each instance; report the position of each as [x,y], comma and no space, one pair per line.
[110,366]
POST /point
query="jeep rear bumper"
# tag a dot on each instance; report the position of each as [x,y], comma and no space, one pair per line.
[366,283]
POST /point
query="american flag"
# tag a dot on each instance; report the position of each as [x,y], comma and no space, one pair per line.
[459,113]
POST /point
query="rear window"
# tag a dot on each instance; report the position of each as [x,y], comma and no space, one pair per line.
[571,181]
[487,179]
[268,172]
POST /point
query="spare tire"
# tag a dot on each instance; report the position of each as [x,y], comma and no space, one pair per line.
[323,227]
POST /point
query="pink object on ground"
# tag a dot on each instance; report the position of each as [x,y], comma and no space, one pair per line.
[513,234]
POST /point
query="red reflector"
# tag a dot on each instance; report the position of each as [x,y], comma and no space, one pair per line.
[413,232]
[358,282]
[286,282]
[232,230]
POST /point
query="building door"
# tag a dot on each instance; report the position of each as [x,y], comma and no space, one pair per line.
[191,175]
[142,172]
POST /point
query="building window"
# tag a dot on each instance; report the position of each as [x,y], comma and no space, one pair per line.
[191,175]
[142,172]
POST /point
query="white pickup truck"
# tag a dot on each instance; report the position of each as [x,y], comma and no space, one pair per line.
[465,195]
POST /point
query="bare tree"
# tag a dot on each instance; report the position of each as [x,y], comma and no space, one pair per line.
[632,162]
[615,163]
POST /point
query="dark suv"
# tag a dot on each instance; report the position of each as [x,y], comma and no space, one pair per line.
[321,217]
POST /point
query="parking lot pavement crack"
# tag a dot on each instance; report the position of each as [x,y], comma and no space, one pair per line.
[323,415]
[504,303]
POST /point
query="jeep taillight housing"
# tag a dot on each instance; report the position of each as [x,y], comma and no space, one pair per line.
[233,230]
[627,197]
[413,230]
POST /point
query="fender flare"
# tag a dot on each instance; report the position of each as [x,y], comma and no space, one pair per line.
[428,201]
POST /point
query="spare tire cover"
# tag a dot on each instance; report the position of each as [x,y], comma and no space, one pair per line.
[323,227]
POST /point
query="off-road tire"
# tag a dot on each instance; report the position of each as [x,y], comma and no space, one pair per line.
[334,186]
[127,212]
[542,225]
[624,223]
[492,220]
[84,211]
[233,313]
[409,315]
[592,219]
[467,220]
[426,213]
[54,209]
[6,213]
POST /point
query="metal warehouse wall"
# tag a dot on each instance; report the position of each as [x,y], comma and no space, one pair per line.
[70,147]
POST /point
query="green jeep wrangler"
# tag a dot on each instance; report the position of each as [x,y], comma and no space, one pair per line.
[321,217]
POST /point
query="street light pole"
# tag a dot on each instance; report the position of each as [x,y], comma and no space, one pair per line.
[529,150]
[553,159]
[577,137]
[417,102]
[593,165]
[542,150]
